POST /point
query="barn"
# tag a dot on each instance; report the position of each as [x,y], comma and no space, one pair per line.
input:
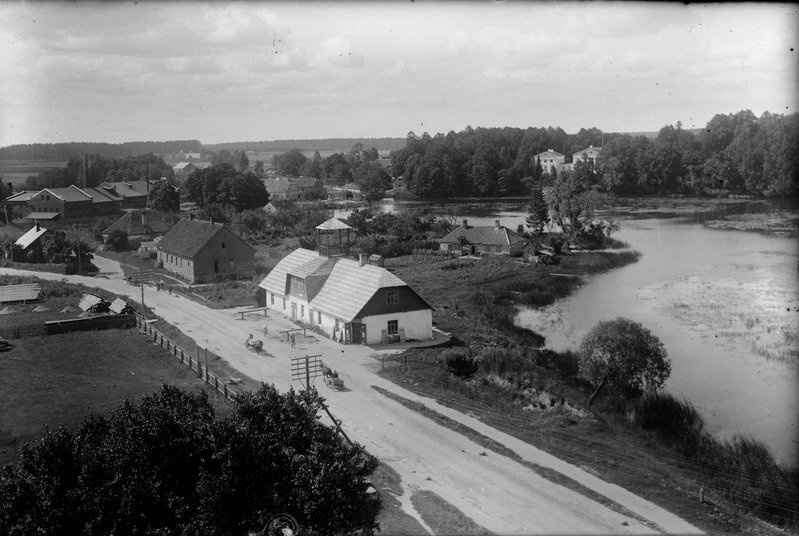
[204,251]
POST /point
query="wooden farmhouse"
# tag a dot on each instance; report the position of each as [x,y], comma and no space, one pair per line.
[496,240]
[204,252]
[350,301]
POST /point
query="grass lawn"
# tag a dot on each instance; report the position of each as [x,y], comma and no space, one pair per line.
[58,380]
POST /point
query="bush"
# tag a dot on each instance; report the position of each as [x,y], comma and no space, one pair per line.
[117,240]
[664,413]
[459,362]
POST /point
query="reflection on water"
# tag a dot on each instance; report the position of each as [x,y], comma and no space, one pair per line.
[724,303]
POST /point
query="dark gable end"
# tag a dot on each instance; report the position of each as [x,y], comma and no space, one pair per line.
[407,300]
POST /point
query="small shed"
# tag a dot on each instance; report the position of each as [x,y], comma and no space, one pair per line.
[93,303]
[28,247]
[121,307]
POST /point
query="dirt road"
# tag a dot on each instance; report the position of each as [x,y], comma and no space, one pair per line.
[498,493]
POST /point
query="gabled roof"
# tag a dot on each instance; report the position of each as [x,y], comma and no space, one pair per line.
[332,224]
[275,281]
[350,286]
[182,165]
[123,189]
[102,195]
[68,194]
[188,237]
[30,237]
[590,152]
[277,186]
[131,224]
[549,153]
[485,235]
[21,197]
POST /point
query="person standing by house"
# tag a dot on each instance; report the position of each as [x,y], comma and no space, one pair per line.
[265,329]
[293,341]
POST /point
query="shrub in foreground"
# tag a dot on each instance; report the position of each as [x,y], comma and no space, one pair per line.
[168,466]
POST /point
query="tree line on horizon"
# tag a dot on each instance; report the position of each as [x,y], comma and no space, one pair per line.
[739,154]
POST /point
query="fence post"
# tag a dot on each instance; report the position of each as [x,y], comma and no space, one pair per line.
[206,365]
[225,388]
[181,355]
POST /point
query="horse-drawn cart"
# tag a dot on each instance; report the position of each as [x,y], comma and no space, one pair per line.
[331,378]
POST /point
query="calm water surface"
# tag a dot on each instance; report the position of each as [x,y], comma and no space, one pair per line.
[721,301]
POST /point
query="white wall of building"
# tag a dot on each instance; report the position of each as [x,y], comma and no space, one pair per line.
[417,325]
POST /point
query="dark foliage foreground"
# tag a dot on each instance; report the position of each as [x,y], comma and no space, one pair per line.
[168,466]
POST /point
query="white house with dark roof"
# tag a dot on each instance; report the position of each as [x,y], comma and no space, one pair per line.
[348,300]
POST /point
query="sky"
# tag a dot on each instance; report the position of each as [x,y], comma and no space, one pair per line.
[251,71]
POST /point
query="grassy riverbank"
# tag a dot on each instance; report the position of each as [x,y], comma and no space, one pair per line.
[502,377]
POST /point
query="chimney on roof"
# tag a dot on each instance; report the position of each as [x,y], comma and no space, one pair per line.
[361,259]
[83,168]
[496,224]
[37,226]
[465,224]
[212,220]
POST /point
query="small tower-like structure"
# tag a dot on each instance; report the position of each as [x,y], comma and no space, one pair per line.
[334,238]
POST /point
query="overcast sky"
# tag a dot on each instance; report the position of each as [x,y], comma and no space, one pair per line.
[217,72]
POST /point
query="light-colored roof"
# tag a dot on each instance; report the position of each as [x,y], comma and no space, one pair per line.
[350,286]
[332,224]
[43,215]
[20,197]
[485,235]
[589,152]
[278,186]
[87,301]
[19,293]
[182,165]
[549,153]
[30,237]
[275,281]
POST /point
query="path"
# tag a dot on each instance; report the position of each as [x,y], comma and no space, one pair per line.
[498,493]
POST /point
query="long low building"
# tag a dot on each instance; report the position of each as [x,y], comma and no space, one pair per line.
[350,301]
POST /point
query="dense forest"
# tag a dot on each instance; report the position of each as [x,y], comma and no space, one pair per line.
[739,154]
[65,151]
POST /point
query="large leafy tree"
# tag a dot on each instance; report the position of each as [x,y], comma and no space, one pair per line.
[625,356]
[289,163]
[223,185]
[164,197]
[170,466]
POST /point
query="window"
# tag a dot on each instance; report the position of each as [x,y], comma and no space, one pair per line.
[284,304]
[392,297]
[272,300]
[393,327]
[223,245]
[302,311]
[319,317]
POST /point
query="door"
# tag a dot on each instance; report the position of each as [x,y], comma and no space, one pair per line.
[293,311]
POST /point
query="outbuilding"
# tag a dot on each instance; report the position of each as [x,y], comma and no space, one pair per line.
[495,240]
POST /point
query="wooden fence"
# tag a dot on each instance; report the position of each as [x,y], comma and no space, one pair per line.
[68,325]
[194,362]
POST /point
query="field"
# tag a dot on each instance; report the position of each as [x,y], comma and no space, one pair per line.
[57,380]
[16,171]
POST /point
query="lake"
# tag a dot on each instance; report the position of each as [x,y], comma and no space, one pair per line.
[725,304]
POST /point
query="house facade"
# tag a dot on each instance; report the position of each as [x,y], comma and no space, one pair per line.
[494,240]
[349,301]
[204,251]
[28,247]
[550,159]
[294,188]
